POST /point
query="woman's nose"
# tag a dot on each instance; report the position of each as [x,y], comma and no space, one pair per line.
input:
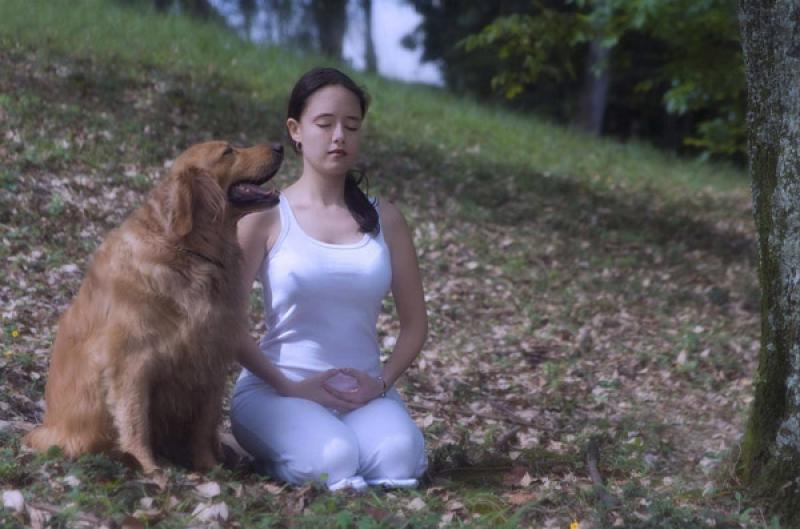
[338,132]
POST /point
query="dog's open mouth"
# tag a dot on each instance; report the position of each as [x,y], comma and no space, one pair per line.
[250,193]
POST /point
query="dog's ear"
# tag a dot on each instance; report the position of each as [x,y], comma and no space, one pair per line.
[194,192]
[180,205]
[208,198]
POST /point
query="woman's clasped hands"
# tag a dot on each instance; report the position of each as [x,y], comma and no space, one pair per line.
[344,389]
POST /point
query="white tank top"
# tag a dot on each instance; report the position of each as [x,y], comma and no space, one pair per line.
[321,301]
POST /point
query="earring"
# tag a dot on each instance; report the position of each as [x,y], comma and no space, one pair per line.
[299,146]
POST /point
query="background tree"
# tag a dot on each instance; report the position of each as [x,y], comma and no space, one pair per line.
[196,8]
[370,58]
[248,9]
[596,77]
[289,23]
[771,449]
[669,70]
[443,24]
[331,20]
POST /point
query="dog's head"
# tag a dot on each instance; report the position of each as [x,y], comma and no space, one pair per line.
[216,181]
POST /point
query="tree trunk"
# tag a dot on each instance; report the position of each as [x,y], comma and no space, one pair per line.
[197,8]
[771,446]
[248,9]
[594,95]
[330,17]
[370,58]
[162,5]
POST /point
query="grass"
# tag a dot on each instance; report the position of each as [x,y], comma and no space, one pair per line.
[478,138]
[528,233]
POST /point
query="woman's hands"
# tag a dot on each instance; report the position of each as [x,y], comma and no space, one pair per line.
[316,388]
[344,389]
[367,388]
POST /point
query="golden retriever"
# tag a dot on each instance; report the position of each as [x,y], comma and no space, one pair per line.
[141,355]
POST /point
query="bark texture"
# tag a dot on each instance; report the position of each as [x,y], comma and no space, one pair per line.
[771,43]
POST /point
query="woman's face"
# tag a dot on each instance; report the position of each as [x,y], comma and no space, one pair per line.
[329,130]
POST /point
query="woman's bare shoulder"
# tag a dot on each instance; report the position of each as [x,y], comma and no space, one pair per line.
[260,227]
[392,218]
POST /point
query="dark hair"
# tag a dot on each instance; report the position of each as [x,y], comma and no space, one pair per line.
[355,198]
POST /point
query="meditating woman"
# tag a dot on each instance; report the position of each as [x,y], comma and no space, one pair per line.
[314,402]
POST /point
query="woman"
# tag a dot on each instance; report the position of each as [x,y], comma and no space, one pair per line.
[314,402]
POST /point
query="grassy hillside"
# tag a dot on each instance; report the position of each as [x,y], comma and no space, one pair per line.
[579,289]
[410,115]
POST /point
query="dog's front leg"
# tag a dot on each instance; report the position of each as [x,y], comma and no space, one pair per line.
[129,398]
[205,445]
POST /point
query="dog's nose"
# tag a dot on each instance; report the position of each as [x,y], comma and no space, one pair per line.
[278,148]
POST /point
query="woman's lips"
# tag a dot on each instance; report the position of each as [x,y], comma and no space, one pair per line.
[340,152]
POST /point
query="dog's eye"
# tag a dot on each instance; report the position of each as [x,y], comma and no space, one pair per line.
[227,151]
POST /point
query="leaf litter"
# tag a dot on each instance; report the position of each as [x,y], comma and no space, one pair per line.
[565,322]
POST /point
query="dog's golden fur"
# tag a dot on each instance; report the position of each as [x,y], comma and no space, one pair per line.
[141,355]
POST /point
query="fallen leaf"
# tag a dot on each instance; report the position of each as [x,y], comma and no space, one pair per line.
[207,513]
[455,505]
[38,517]
[130,522]
[416,504]
[446,520]
[521,498]
[13,501]
[376,513]
[273,488]
[513,476]
[208,490]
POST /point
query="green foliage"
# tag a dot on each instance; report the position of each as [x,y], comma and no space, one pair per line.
[540,43]
[697,68]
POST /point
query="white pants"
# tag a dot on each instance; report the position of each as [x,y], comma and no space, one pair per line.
[298,440]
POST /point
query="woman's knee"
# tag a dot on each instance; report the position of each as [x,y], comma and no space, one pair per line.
[337,458]
[398,456]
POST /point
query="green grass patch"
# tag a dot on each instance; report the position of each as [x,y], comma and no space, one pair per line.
[481,142]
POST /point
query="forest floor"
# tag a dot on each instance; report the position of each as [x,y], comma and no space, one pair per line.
[563,315]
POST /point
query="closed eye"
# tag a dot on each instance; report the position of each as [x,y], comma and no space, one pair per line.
[227,151]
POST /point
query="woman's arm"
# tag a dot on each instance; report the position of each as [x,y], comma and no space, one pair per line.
[257,233]
[407,292]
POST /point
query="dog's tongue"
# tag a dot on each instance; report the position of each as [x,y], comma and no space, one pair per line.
[249,193]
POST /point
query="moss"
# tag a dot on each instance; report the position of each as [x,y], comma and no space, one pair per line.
[777,486]
[769,406]
[773,430]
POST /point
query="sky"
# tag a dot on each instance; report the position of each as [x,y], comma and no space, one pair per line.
[391,21]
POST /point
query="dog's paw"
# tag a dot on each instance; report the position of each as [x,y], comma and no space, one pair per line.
[158,478]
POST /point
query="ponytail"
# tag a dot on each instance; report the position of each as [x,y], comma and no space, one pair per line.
[362,209]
